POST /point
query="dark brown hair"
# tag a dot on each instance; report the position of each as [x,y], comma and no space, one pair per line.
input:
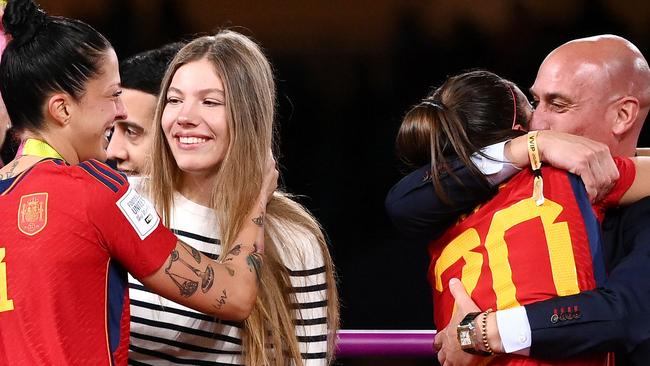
[468,112]
[46,54]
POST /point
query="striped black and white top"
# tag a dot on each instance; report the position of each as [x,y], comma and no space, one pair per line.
[165,333]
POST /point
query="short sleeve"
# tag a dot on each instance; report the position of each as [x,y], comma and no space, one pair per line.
[627,173]
[126,222]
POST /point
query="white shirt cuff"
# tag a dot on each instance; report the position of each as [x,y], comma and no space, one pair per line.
[496,167]
[514,330]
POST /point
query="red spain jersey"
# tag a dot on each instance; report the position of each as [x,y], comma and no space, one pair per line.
[67,236]
[511,252]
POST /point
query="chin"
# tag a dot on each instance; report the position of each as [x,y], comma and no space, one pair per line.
[98,155]
[196,167]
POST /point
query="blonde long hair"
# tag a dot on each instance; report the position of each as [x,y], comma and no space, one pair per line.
[250,108]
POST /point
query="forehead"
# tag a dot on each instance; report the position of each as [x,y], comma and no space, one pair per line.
[199,74]
[108,75]
[140,107]
[566,78]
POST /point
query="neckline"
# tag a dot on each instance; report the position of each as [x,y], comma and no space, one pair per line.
[36,147]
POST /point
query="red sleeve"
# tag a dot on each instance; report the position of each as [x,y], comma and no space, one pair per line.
[627,173]
[126,222]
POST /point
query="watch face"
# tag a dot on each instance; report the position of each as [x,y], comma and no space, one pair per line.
[464,338]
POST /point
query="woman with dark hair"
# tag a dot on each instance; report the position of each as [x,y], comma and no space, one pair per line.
[71,227]
[537,238]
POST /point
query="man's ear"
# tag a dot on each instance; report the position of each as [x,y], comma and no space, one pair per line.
[627,109]
[518,127]
[59,108]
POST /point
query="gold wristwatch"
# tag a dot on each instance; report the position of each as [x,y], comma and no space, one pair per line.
[469,337]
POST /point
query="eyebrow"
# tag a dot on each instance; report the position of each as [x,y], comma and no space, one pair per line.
[550,96]
[117,84]
[201,92]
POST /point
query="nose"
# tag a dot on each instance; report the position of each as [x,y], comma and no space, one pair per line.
[116,149]
[538,122]
[120,109]
[186,116]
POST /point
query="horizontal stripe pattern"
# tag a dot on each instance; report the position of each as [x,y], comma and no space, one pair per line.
[166,333]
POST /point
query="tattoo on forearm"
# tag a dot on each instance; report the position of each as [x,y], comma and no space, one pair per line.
[188,286]
[185,285]
[221,301]
[10,173]
[259,220]
[195,253]
[235,251]
[231,271]
[207,279]
[254,261]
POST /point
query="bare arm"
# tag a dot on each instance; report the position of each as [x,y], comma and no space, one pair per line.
[226,289]
[416,210]
[589,159]
[640,188]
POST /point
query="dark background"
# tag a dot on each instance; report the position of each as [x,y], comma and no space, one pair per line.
[347,71]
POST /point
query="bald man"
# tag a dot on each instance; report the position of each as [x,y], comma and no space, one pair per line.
[597,87]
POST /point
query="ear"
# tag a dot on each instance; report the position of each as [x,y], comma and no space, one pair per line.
[627,109]
[59,107]
[518,127]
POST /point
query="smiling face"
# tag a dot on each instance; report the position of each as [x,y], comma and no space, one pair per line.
[132,137]
[574,95]
[96,111]
[194,119]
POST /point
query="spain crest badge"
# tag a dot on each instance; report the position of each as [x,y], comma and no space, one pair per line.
[32,213]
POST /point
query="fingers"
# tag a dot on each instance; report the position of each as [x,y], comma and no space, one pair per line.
[589,159]
[463,301]
[441,357]
[600,171]
[270,178]
[437,341]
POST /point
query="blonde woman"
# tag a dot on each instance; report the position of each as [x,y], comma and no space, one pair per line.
[213,128]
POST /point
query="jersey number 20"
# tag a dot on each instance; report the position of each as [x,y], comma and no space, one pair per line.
[558,240]
[5,303]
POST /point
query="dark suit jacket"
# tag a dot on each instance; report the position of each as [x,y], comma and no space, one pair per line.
[614,317]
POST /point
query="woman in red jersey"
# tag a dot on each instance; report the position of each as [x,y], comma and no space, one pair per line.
[537,238]
[71,227]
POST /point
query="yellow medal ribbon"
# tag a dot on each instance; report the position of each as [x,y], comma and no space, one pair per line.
[536,164]
[39,148]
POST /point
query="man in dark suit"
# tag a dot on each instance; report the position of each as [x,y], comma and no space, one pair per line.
[597,87]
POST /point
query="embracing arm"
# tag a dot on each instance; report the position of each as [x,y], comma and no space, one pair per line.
[613,317]
[640,187]
[226,289]
[416,210]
